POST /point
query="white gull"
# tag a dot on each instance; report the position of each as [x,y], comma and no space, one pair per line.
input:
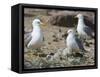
[83,30]
[73,43]
[34,39]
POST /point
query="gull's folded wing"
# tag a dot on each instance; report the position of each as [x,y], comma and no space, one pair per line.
[27,38]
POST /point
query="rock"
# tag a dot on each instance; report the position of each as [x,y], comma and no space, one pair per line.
[62,20]
[27,64]
[54,36]
[65,52]
[75,61]
[60,39]
[42,55]
[55,40]
[87,44]
[78,55]
[64,35]
[60,30]
[34,12]
[49,43]
[67,18]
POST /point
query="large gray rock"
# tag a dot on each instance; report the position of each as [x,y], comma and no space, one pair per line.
[62,19]
[67,18]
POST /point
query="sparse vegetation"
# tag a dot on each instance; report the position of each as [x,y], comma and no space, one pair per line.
[54,52]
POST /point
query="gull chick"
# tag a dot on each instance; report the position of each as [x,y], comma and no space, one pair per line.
[34,39]
[83,30]
[73,43]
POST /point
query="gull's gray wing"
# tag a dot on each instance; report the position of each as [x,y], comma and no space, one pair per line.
[88,31]
[27,38]
[27,34]
[79,43]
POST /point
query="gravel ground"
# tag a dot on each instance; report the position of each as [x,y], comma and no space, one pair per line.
[51,54]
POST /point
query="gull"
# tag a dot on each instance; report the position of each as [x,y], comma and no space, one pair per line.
[34,39]
[73,43]
[83,30]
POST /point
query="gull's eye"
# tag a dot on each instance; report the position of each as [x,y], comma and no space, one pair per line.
[38,22]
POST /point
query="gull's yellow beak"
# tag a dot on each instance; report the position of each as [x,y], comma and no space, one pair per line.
[43,24]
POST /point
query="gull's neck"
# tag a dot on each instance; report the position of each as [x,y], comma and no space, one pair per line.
[71,35]
[81,22]
[36,27]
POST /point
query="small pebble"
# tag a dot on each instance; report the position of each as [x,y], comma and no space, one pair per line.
[87,44]
[51,53]
[55,40]
[42,55]
[60,30]
[91,43]
[27,64]
[53,35]
[64,36]
[49,43]
[60,39]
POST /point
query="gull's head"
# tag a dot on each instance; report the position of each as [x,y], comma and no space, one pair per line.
[36,22]
[80,16]
[70,31]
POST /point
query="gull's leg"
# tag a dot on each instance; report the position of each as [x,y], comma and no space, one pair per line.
[82,39]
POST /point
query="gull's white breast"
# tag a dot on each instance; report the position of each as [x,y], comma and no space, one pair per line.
[37,39]
[71,43]
[80,30]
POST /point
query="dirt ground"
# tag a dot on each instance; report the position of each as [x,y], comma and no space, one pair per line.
[51,53]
